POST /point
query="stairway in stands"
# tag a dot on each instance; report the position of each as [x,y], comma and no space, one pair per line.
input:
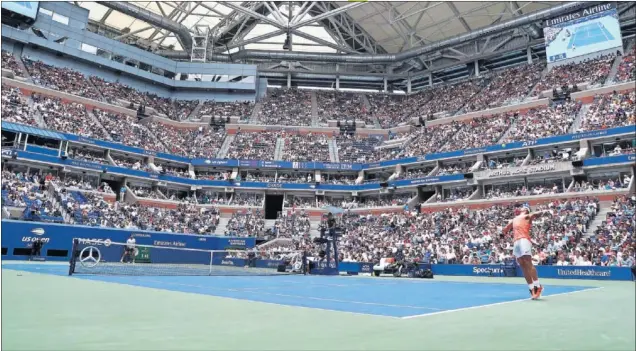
[576,124]
[220,229]
[604,208]
[255,112]
[25,71]
[367,107]
[280,147]
[333,151]
[314,109]
[314,232]
[194,115]
[36,114]
[532,92]
[96,122]
[225,146]
[617,62]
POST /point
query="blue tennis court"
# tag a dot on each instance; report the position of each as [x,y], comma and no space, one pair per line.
[589,34]
[397,298]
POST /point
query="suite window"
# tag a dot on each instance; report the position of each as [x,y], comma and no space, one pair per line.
[61,19]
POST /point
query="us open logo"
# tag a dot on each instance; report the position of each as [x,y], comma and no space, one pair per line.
[37,231]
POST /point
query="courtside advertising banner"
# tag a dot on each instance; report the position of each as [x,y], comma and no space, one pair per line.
[20,235]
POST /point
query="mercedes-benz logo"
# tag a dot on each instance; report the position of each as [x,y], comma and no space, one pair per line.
[90,256]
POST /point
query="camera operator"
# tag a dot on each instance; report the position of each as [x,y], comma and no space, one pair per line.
[251,258]
[331,224]
[36,248]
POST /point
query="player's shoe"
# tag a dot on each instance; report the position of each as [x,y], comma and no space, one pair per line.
[536,293]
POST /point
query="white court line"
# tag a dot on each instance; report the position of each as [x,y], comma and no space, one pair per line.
[242,299]
[493,304]
[296,296]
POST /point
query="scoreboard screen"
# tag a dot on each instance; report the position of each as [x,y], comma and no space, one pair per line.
[25,8]
[583,32]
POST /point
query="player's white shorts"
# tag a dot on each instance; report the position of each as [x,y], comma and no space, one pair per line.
[522,247]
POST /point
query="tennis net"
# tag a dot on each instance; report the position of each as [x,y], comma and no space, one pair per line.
[113,258]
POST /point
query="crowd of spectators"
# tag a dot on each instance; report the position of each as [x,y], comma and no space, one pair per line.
[15,108]
[10,62]
[613,241]
[429,140]
[357,148]
[185,218]
[294,202]
[416,173]
[62,79]
[334,105]
[248,199]
[246,223]
[543,122]
[500,163]
[456,168]
[342,179]
[66,117]
[147,193]
[213,175]
[285,177]
[602,184]
[290,107]
[478,132]
[197,142]
[390,110]
[292,224]
[591,70]
[462,235]
[306,147]
[455,194]
[117,93]
[627,69]
[21,189]
[242,109]
[451,97]
[212,198]
[507,85]
[253,146]
[503,191]
[88,155]
[130,163]
[127,130]
[92,209]
[610,110]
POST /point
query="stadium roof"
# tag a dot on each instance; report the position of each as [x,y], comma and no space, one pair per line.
[345,27]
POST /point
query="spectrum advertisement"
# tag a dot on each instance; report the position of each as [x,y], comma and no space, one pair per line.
[486,270]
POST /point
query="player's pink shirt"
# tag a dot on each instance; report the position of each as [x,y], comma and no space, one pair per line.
[521,227]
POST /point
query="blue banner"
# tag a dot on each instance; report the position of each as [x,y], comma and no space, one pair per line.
[225,183]
[125,148]
[561,272]
[277,164]
[609,160]
[18,234]
[348,166]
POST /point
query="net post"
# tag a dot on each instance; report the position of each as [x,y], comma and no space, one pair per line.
[211,262]
[71,264]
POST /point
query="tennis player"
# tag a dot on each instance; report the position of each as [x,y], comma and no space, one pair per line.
[129,250]
[522,248]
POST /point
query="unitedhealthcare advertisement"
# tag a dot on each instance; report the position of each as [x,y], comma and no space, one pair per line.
[592,29]
[25,8]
